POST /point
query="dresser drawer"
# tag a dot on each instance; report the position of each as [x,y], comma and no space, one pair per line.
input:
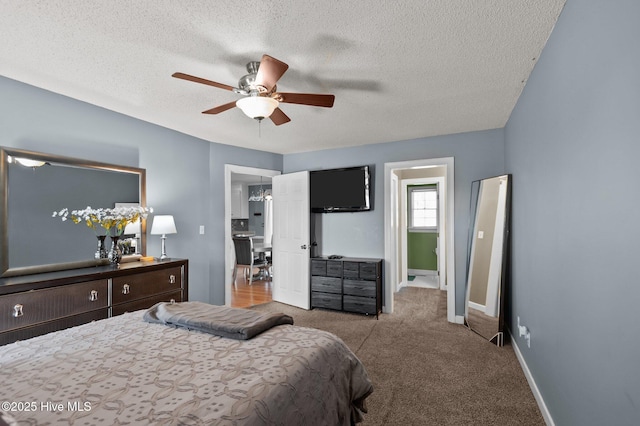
[51,326]
[360,288]
[362,270]
[326,284]
[318,267]
[362,305]
[138,286]
[32,307]
[146,303]
[368,271]
[326,300]
[329,268]
[334,268]
[351,270]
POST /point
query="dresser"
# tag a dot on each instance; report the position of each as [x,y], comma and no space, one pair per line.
[37,304]
[347,284]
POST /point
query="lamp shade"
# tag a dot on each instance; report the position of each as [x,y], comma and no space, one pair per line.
[163,224]
[132,228]
[258,107]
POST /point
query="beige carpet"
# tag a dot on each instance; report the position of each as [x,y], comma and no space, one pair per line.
[426,371]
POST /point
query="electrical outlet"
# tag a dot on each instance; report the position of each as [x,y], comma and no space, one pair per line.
[524,332]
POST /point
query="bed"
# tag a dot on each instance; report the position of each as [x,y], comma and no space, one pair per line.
[124,370]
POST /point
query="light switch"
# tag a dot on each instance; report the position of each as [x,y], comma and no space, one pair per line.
[480,235]
[201,229]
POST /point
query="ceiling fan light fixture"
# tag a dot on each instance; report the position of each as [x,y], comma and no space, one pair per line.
[257,107]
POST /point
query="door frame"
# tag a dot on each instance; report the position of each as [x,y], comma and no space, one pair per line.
[228,241]
[389,291]
[393,227]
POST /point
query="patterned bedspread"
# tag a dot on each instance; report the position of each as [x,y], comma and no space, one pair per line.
[125,371]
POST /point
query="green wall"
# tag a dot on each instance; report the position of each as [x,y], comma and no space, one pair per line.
[420,254]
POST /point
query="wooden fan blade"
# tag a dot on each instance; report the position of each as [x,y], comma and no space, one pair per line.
[221,108]
[201,80]
[278,117]
[269,72]
[305,99]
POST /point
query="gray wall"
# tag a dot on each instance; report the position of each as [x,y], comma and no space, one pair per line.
[477,155]
[185,175]
[573,144]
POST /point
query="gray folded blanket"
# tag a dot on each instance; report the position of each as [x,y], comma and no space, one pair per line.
[234,323]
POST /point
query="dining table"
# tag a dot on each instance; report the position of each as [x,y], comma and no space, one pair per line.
[262,249]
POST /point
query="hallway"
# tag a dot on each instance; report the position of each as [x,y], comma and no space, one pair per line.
[244,295]
[423,281]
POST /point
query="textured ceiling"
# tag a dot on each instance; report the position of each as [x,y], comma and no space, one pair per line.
[399,70]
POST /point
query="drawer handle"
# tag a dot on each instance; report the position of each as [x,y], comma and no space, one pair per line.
[17,310]
[93,296]
[126,289]
[172,279]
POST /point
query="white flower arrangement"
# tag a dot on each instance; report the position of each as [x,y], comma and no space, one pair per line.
[113,221]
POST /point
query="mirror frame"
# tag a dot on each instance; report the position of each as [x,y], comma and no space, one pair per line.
[505,268]
[5,152]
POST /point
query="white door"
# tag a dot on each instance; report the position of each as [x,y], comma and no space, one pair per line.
[291,239]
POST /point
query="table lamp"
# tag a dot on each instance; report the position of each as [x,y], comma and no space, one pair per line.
[163,225]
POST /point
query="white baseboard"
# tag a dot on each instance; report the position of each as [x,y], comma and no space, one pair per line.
[546,415]
[459,319]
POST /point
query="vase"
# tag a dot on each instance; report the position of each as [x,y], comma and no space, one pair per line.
[101,253]
[114,255]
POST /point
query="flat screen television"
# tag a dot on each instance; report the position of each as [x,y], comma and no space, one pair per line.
[340,190]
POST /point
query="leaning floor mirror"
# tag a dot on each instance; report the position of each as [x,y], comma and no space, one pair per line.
[488,257]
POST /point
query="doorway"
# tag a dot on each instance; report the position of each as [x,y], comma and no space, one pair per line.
[395,242]
[423,227]
[243,184]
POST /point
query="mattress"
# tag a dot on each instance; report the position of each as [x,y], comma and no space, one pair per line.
[123,370]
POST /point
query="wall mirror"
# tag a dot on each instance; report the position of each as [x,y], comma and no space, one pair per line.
[34,185]
[488,257]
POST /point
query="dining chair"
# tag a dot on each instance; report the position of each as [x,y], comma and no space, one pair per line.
[246,258]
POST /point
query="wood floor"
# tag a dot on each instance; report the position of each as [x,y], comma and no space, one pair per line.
[244,295]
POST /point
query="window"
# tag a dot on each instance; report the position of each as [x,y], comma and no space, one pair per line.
[423,208]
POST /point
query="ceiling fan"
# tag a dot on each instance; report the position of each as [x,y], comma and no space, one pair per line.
[259,88]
